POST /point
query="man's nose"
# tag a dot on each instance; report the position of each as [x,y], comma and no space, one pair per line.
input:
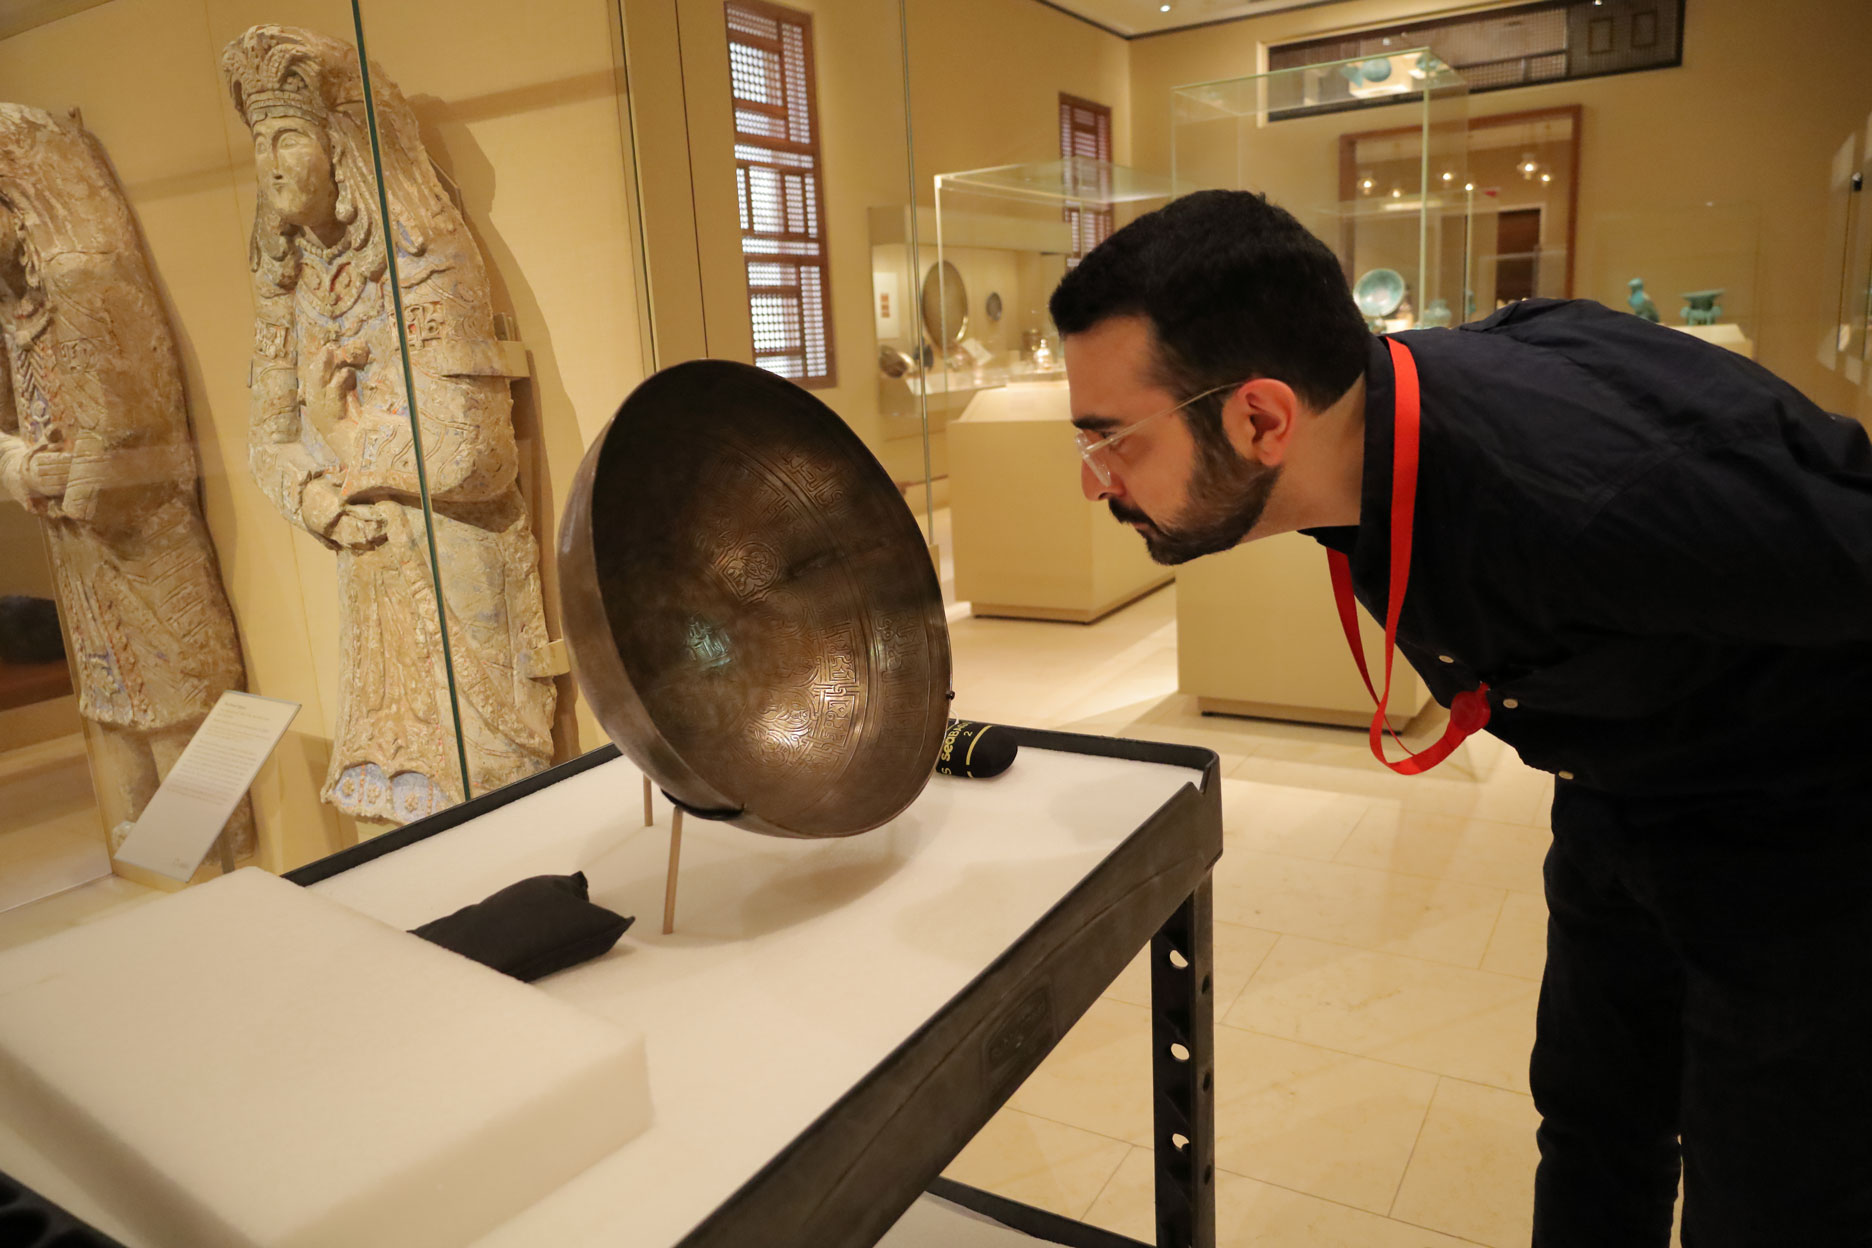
[1093,488]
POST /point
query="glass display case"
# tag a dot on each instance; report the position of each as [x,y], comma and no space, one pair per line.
[206,338]
[375,282]
[1004,237]
[1848,349]
[1397,206]
[1856,282]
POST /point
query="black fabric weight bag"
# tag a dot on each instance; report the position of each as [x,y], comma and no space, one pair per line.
[531,929]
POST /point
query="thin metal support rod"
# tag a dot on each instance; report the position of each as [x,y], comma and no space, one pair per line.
[649,810]
[1183,1075]
[669,884]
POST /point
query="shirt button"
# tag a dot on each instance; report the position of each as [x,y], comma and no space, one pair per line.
[1444,658]
[1566,775]
[1510,703]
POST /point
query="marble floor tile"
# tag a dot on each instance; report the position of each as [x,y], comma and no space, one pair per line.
[1044,1164]
[1251,1214]
[1472,1173]
[1483,781]
[1303,823]
[1446,847]
[1173,717]
[1237,952]
[1328,1124]
[1098,1078]
[1040,674]
[1346,905]
[1518,945]
[1444,1019]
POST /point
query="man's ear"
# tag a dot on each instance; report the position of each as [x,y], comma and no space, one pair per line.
[1259,420]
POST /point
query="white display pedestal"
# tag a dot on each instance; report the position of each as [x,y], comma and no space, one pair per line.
[1028,544]
[1258,634]
[1722,334]
[834,1019]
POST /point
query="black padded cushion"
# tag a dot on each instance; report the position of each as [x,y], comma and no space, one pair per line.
[531,929]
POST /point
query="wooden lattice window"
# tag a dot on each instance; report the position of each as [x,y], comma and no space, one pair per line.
[779,183]
[1085,136]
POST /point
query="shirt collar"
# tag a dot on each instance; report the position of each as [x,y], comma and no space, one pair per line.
[1369,544]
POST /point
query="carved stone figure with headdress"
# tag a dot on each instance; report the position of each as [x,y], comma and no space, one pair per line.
[335,447]
[95,441]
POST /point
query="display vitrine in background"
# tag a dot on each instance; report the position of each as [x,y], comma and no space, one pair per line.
[1395,202]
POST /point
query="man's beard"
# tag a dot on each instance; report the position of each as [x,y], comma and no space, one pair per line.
[1227,495]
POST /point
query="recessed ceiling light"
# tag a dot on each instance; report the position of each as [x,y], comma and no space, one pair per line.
[1163,8]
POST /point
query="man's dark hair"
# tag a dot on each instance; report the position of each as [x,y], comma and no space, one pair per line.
[1233,288]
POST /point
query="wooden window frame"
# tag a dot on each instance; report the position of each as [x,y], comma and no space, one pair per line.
[812,150]
[1090,224]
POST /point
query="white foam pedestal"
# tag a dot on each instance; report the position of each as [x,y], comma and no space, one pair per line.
[796,966]
[248,1063]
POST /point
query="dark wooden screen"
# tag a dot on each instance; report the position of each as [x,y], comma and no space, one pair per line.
[1085,134]
[779,183]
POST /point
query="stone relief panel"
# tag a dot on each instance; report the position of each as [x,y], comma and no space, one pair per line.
[332,444]
[95,441]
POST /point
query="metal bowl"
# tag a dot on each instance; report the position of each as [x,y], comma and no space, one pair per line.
[751,608]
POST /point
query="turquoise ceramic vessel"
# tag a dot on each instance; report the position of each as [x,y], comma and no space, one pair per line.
[1641,304]
[1379,292]
[1700,306]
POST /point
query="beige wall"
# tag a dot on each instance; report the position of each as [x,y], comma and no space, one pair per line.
[527,123]
[1765,96]
[986,77]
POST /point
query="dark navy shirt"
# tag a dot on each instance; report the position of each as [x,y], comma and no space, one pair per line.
[1656,553]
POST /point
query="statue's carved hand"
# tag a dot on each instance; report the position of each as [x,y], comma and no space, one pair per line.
[333,394]
[323,510]
[357,528]
[47,473]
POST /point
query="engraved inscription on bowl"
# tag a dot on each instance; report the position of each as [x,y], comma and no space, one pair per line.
[770,599]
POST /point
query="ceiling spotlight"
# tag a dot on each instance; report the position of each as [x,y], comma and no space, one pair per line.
[1448,176]
[1546,177]
[1163,8]
[1468,186]
[1396,193]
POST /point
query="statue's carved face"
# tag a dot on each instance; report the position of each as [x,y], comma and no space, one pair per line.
[293,160]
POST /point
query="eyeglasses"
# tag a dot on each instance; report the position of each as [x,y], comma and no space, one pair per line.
[1093,447]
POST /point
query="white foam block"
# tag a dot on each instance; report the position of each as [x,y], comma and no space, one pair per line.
[247,1063]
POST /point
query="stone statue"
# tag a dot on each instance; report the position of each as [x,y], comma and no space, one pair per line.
[94,439]
[332,443]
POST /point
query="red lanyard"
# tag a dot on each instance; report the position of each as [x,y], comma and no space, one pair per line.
[1469,710]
